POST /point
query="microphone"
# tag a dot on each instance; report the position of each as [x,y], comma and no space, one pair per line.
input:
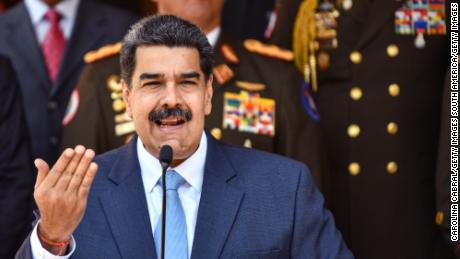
[166,156]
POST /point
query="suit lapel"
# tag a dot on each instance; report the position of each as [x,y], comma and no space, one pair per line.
[27,55]
[380,12]
[88,31]
[219,204]
[125,207]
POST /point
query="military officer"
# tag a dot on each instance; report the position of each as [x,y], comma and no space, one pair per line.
[376,69]
[256,99]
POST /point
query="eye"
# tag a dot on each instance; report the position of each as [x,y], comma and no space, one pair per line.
[188,83]
[153,84]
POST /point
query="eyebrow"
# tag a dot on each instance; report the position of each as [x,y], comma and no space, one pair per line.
[190,75]
[144,76]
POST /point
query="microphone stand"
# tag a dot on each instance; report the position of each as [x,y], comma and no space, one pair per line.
[163,214]
[166,156]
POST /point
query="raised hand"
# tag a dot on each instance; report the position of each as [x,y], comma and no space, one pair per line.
[61,193]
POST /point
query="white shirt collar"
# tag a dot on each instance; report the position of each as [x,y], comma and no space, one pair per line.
[213,35]
[192,169]
[37,9]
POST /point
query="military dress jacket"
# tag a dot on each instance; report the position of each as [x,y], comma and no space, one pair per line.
[379,98]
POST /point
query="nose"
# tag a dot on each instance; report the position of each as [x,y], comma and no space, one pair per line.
[171,96]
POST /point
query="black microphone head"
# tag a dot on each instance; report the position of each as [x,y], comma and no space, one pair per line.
[166,155]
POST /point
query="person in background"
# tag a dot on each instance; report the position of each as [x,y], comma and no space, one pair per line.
[376,70]
[16,174]
[46,40]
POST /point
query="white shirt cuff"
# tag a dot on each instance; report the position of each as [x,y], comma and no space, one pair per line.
[39,252]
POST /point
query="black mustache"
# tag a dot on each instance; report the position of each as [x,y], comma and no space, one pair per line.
[164,113]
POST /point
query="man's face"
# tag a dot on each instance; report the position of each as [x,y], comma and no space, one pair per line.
[204,13]
[166,78]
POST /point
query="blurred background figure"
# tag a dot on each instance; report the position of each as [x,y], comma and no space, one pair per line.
[46,41]
[16,175]
[256,99]
[376,69]
[253,19]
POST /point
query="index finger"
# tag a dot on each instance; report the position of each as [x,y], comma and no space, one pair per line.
[56,171]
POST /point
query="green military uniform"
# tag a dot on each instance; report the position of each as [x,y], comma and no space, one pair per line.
[256,103]
[379,93]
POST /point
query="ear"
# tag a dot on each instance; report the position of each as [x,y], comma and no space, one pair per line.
[208,96]
[126,95]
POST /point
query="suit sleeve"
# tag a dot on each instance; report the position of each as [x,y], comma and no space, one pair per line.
[16,175]
[314,227]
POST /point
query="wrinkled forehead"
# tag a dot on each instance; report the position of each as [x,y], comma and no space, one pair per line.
[167,61]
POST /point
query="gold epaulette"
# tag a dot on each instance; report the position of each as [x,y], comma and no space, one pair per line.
[104,52]
[268,50]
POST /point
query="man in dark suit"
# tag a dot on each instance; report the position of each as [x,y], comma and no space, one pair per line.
[241,72]
[380,82]
[228,201]
[16,179]
[46,41]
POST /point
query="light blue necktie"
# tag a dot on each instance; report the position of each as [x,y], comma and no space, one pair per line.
[176,227]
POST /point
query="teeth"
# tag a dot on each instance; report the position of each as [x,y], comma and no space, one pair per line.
[170,122]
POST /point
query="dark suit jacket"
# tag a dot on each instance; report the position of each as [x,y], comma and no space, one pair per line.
[45,105]
[253,205]
[16,175]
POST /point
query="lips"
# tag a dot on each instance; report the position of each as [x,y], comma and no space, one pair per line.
[170,122]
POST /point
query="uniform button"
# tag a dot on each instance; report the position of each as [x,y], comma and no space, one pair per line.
[356,57]
[392,128]
[356,93]
[216,133]
[353,131]
[118,105]
[247,143]
[116,95]
[52,105]
[439,218]
[392,50]
[354,168]
[347,4]
[392,167]
[53,140]
[393,90]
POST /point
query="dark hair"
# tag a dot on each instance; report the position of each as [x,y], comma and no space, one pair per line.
[163,30]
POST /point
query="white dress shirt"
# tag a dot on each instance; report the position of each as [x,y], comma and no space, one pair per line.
[192,170]
[37,10]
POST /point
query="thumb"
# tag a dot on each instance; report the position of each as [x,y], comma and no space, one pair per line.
[43,170]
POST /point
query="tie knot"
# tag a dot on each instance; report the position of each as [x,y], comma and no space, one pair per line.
[173,180]
[53,16]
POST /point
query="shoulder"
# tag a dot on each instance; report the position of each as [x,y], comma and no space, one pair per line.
[16,12]
[270,51]
[245,160]
[109,52]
